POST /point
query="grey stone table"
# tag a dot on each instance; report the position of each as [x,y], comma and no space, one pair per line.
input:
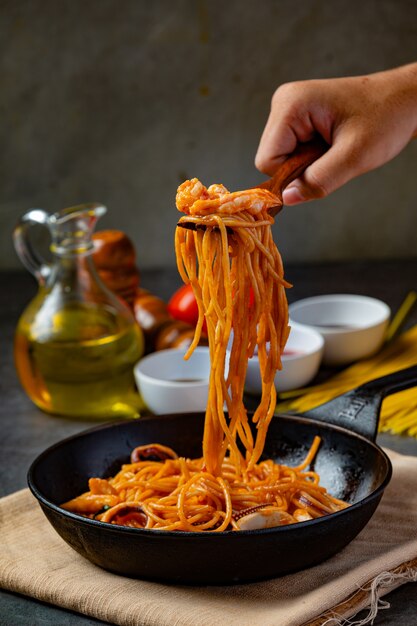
[26,431]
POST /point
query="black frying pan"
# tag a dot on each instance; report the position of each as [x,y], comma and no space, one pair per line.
[350,464]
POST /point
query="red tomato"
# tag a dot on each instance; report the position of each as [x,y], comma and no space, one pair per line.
[183,305]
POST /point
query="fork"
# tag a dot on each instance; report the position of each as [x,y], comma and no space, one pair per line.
[294,165]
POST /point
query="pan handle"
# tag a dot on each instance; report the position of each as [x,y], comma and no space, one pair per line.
[358,410]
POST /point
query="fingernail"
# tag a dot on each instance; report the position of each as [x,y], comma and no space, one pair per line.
[292,195]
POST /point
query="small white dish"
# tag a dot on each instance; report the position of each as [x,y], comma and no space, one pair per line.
[300,362]
[353,327]
[168,384]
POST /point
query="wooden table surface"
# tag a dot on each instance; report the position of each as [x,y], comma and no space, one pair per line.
[26,431]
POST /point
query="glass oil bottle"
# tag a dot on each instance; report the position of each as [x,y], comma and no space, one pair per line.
[76,343]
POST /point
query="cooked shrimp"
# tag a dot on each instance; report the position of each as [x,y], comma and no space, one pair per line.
[194,198]
[188,192]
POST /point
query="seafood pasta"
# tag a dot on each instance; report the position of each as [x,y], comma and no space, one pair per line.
[239,286]
[229,257]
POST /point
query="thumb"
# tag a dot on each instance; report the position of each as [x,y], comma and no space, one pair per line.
[338,165]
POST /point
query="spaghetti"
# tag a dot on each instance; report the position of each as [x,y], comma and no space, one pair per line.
[240,291]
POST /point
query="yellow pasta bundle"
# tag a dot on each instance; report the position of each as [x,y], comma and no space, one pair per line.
[399,411]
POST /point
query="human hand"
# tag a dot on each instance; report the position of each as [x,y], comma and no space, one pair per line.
[366,120]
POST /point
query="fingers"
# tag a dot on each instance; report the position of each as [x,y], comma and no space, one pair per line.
[289,122]
[367,120]
[342,162]
[298,112]
[277,141]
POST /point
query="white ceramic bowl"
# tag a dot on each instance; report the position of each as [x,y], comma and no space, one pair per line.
[300,362]
[353,327]
[168,384]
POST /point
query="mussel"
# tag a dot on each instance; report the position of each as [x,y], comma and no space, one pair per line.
[152,452]
[126,515]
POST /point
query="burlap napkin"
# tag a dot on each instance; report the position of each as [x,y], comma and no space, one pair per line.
[35,561]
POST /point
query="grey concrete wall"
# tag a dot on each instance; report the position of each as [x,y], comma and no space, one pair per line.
[120,100]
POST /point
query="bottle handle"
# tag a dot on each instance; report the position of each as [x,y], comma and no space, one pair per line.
[24,248]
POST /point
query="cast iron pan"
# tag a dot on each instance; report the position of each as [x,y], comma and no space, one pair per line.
[349,462]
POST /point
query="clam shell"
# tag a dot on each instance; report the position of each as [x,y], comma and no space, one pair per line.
[301,516]
[267,517]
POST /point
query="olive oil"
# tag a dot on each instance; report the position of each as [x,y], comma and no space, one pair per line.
[76,342]
[82,364]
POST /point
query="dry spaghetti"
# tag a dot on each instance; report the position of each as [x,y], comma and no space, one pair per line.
[236,273]
[399,411]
